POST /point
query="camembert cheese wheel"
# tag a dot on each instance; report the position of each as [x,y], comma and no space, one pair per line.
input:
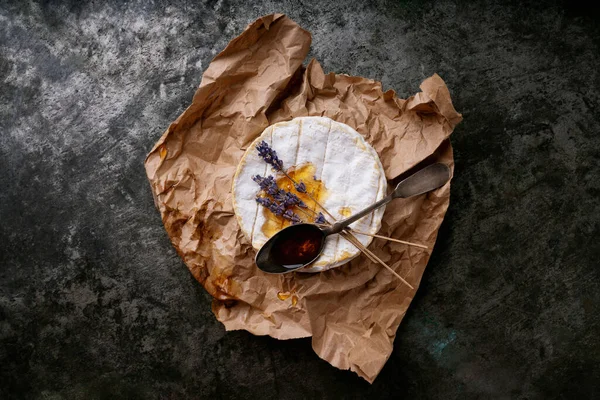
[341,171]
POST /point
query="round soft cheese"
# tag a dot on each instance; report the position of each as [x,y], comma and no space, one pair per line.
[341,171]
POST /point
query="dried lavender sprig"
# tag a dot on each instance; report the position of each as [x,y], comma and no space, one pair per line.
[300,187]
[320,219]
[274,207]
[269,155]
[269,185]
[278,209]
[289,199]
[289,215]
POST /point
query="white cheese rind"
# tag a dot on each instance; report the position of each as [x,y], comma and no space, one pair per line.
[348,167]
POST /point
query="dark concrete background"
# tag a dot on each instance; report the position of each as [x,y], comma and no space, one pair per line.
[96,304]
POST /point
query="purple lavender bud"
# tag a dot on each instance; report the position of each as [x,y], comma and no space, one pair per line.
[280,196]
[270,185]
[320,219]
[274,207]
[269,155]
[294,218]
[288,200]
[267,184]
[258,179]
[291,200]
[273,189]
[301,187]
[277,209]
[263,201]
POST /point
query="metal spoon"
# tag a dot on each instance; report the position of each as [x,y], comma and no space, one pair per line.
[299,245]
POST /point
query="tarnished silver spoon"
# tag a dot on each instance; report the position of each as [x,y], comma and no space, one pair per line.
[300,245]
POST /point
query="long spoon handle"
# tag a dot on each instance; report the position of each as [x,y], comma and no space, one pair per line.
[422,181]
[340,225]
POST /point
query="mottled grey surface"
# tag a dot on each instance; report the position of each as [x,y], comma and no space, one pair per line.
[96,304]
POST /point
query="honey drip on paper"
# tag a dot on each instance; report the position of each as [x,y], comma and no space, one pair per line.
[283,296]
[304,173]
[162,150]
[224,286]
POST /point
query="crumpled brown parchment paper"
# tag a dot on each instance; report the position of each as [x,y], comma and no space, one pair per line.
[351,312]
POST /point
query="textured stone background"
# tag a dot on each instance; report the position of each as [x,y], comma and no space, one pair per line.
[95,303]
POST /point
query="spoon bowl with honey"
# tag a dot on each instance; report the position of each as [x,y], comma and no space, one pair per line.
[300,245]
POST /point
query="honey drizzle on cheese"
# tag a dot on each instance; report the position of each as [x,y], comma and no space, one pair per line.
[303,173]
